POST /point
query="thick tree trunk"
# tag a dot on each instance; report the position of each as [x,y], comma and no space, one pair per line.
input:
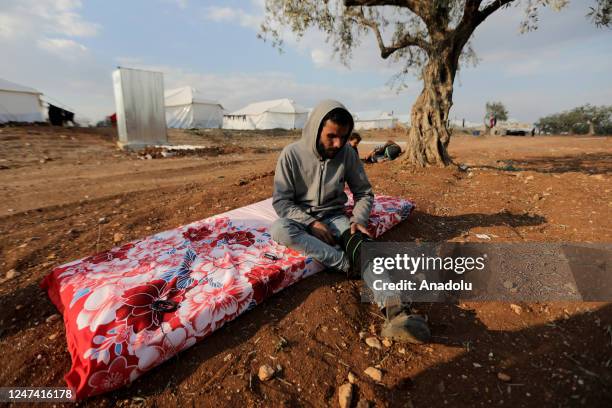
[429,134]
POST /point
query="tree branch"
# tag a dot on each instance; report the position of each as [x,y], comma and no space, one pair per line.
[385,51]
[413,5]
[490,9]
[471,18]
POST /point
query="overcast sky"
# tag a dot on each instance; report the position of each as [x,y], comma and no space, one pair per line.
[67,49]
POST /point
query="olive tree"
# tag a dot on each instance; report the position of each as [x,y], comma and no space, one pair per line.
[429,36]
[587,119]
[496,109]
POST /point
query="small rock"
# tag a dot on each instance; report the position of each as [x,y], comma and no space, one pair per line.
[402,351]
[345,395]
[53,336]
[516,308]
[362,335]
[386,342]
[509,284]
[441,387]
[373,342]
[11,274]
[18,307]
[148,157]
[476,365]
[504,377]
[102,220]
[265,372]
[54,317]
[38,357]
[374,373]
[117,237]
[352,378]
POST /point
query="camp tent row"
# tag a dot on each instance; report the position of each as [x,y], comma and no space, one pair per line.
[187,108]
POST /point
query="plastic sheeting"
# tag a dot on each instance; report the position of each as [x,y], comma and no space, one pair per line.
[19,103]
[139,99]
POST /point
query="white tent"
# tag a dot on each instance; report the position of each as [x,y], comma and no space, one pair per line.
[374,120]
[186,109]
[19,103]
[275,114]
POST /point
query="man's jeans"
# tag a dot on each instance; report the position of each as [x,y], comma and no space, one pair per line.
[296,236]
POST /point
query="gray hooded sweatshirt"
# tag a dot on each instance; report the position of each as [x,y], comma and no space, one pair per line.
[308,186]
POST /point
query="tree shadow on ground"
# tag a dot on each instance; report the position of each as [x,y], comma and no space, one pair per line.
[437,228]
[562,363]
[586,163]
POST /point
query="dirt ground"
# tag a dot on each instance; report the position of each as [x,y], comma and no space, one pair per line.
[55,185]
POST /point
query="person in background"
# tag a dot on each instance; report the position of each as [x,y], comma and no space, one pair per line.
[354,140]
[384,152]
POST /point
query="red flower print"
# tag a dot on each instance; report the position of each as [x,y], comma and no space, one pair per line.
[197,233]
[118,374]
[137,308]
[215,304]
[106,256]
[244,238]
[265,281]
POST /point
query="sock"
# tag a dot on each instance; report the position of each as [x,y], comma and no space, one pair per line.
[351,244]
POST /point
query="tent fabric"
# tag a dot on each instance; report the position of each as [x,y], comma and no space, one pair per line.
[133,307]
[274,114]
[19,103]
[186,108]
[374,120]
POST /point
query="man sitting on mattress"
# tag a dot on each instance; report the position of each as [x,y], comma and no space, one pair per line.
[309,198]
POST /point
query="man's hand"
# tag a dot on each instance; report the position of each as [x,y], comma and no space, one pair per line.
[321,231]
[358,227]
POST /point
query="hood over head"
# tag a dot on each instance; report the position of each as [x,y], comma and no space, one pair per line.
[310,132]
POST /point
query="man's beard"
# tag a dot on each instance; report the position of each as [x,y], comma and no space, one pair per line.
[331,152]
